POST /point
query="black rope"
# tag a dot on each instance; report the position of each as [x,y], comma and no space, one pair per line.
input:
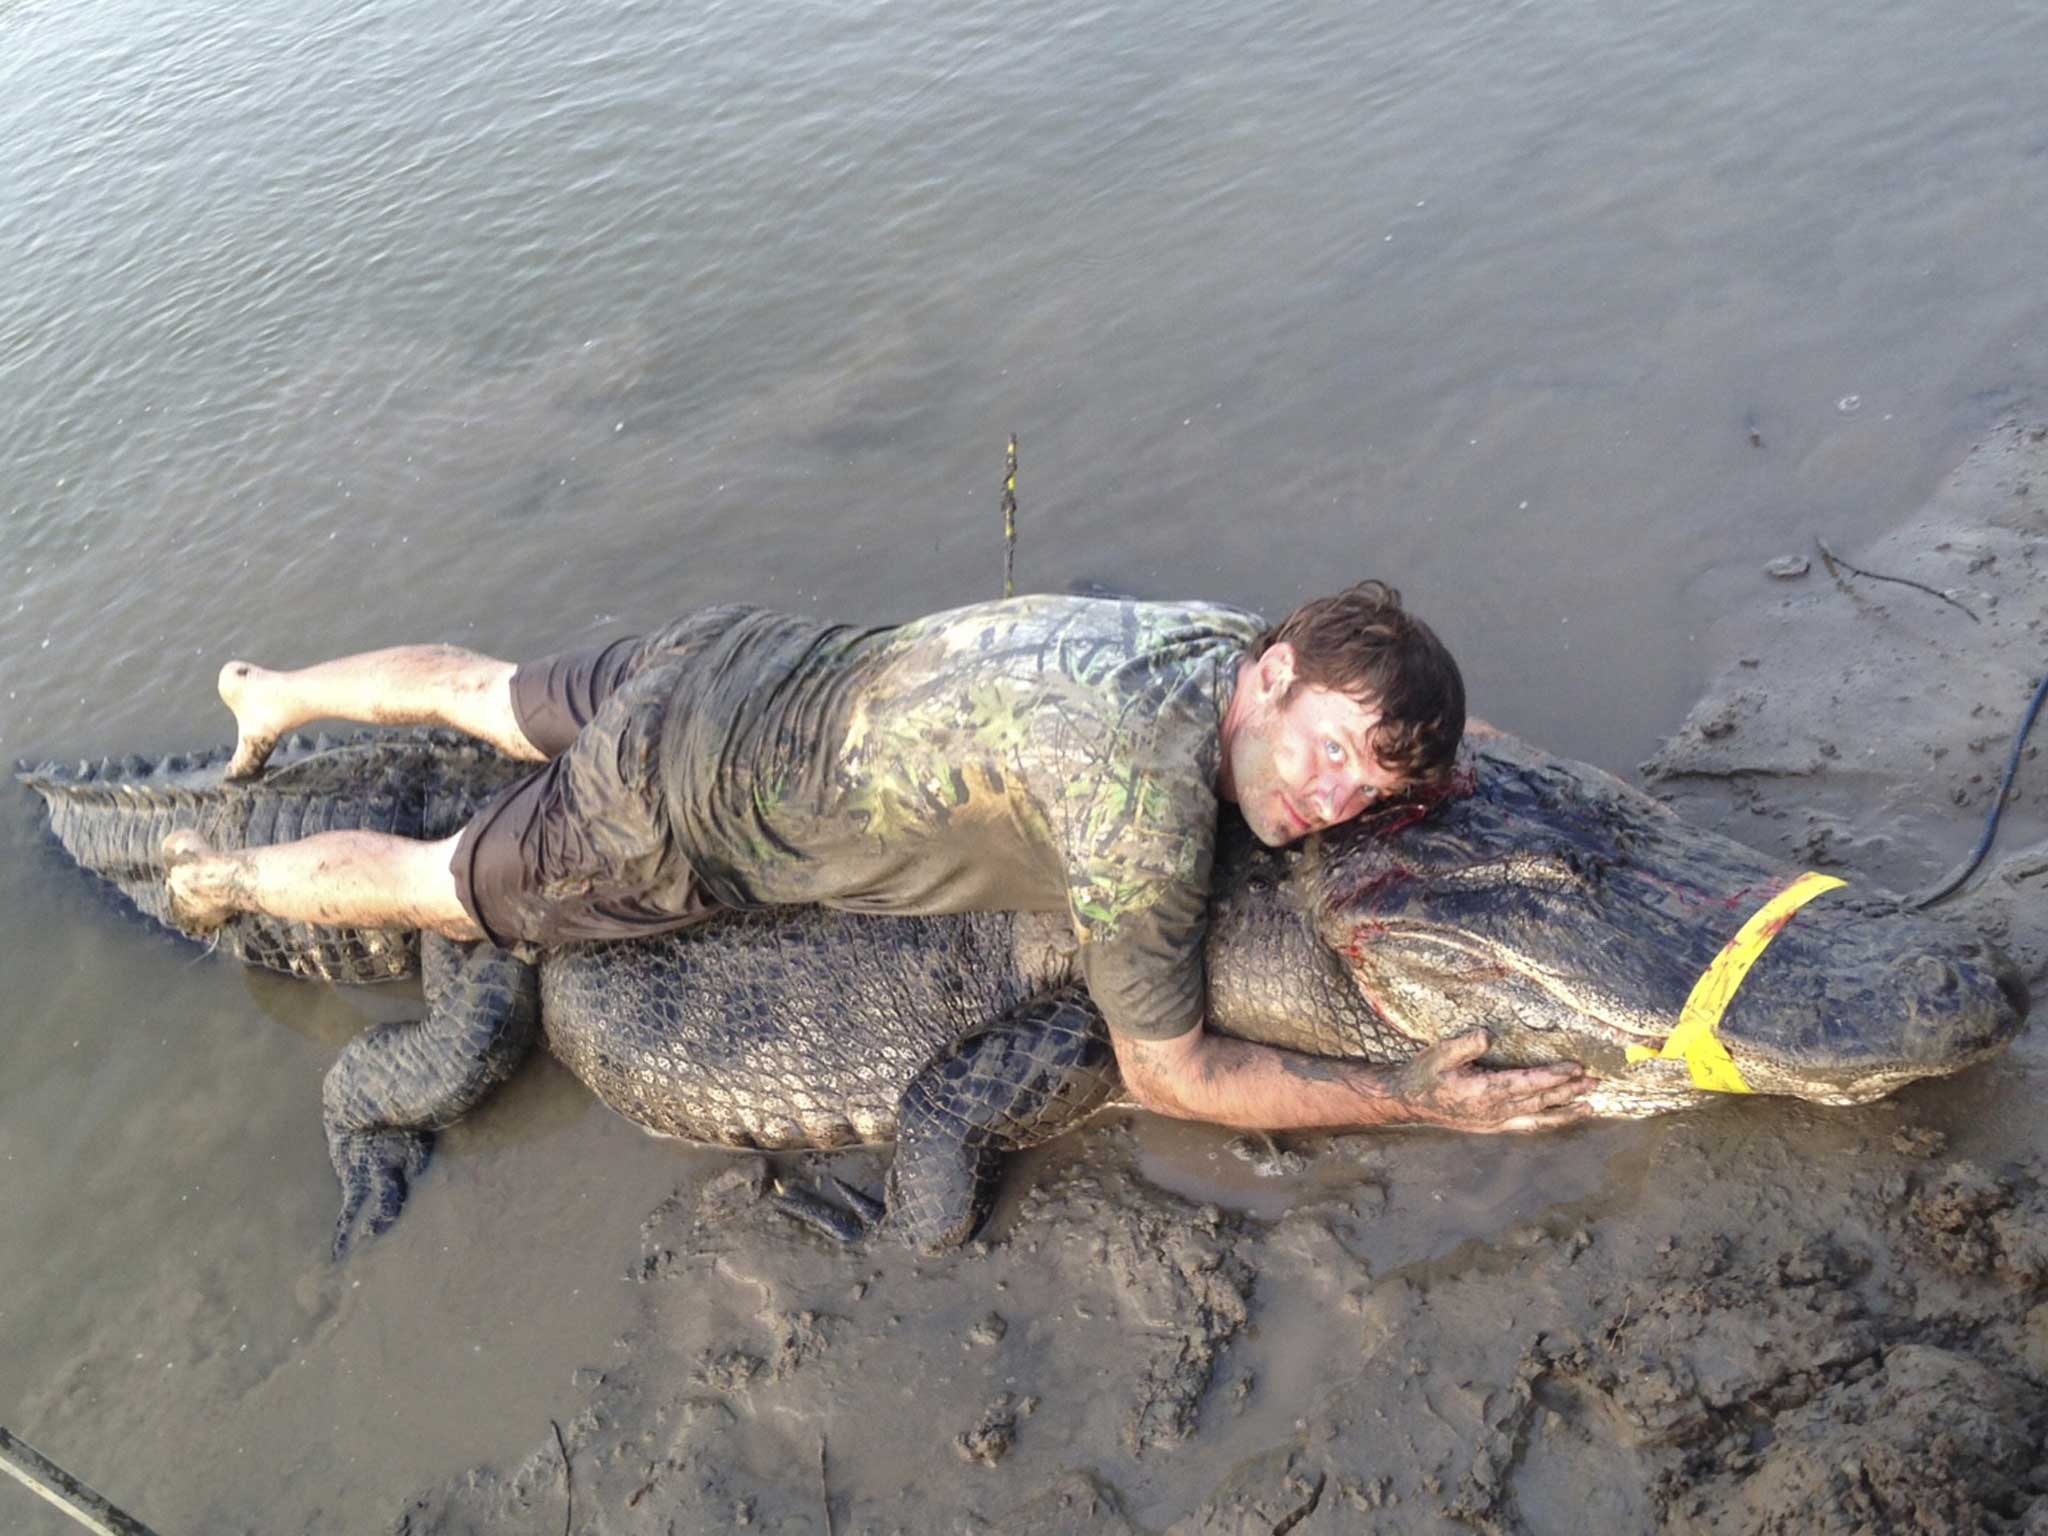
[2012,766]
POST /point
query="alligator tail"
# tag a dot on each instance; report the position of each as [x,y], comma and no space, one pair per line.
[112,818]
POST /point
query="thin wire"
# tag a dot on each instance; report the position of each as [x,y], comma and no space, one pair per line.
[2012,766]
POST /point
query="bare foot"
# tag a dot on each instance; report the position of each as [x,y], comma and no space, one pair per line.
[199,901]
[244,689]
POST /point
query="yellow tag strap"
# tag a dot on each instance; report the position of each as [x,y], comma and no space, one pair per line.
[1694,1041]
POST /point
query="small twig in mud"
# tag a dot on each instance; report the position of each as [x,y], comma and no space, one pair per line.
[1628,1308]
[824,1488]
[1010,520]
[568,1489]
[1836,565]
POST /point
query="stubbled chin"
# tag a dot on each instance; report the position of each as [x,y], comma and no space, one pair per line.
[1264,830]
[1288,829]
[1279,833]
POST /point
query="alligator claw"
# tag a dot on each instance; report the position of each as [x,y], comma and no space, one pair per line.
[869,1208]
[376,1170]
[852,1223]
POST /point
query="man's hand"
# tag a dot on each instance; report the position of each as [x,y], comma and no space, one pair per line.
[1442,1087]
[1206,1076]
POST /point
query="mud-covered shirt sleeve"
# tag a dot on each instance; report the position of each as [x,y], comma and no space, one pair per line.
[1139,891]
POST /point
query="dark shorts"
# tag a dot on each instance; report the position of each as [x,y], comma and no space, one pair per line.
[580,850]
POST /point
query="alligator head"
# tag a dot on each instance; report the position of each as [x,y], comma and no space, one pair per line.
[1573,916]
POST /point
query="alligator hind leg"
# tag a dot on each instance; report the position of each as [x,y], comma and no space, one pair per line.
[394,1086]
[1025,1079]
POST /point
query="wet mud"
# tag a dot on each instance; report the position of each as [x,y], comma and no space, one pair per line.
[1761,1317]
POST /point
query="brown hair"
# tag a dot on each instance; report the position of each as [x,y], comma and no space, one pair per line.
[1362,643]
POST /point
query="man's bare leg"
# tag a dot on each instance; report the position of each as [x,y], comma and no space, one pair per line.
[406,685]
[340,879]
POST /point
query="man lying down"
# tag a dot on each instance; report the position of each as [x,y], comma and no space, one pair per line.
[1057,754]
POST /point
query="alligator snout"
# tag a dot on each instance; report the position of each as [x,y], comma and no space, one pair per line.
[1960,1003]
[2006,976]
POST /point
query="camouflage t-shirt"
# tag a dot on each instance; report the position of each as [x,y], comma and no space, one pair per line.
[1038,754]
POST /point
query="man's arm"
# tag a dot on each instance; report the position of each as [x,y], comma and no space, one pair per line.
[1204,1076]
[1139,891]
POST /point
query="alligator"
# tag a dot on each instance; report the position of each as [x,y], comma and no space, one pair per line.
[1566,912]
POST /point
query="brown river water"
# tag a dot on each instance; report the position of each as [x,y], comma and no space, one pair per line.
[329,325]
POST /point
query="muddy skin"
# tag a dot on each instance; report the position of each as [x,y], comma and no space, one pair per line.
[239,685]
[202,890]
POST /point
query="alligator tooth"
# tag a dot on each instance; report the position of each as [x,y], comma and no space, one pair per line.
[324,742]
[298,742]
[85,769]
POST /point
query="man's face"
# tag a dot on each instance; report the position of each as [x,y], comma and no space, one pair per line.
[1299,761]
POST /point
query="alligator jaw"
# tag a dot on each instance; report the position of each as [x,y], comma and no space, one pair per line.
[1609,1034]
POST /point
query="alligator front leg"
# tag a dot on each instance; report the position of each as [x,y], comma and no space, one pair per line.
[395,1085]
[1033,1074]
